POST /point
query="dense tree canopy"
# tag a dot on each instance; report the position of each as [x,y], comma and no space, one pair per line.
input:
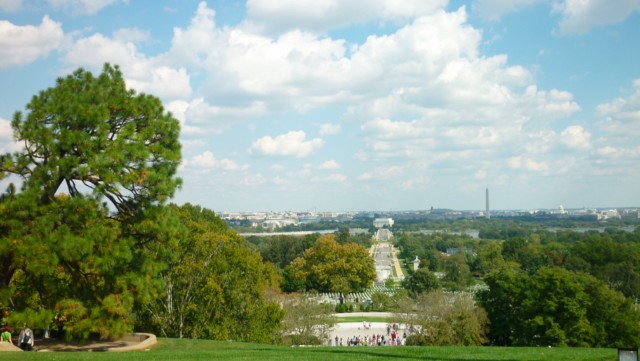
[421,281]
[214,287]
[282,249]
[83,235]
[556,307]
[331,267]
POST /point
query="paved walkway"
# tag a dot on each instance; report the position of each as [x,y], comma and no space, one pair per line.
[346,330]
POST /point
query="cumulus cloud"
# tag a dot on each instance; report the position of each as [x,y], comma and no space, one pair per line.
[494,9]
[529,164]
[131,35]
[7,144]
[386,128]
[415,182]
[10,5]
[579,16]
[622,115]
[576,137]
[253,180]
[291,144]
[336,178]
[329,165]
[206,160]
[5,128]
[21,45]
[141,73]
[620,125]
[329,129]
[277,16]
[199,40]
[82,7]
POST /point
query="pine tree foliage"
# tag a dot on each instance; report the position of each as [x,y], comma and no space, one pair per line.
[82,237]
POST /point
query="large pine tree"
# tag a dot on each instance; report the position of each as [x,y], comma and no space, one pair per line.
[83,233]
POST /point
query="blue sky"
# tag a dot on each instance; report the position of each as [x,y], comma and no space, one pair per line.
[365,104]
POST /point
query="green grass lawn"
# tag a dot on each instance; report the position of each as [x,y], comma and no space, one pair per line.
[178,350]
[366,318]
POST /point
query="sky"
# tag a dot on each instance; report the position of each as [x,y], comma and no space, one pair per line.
[362,105]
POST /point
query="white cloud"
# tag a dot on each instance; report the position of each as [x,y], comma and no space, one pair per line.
[329,129]
[207,160]
[336,178]
[83,7]
[21,45]
[329,165]
[576,137]
[141,73]
[7,144]
[388,129]
[622,115]
[277,16]
[620,122]
[253,180]
[578,16]
[494,9]
[620,126]
[383,173]
[131,35]
[529,164]
[292,144]
[480,174]
[164,82]
[10,6]
[581,16]
[5,129]
[204,160]
[415,182]
[201,117]
[199,40]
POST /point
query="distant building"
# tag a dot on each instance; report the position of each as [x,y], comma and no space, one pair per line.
[382,222]
[452,251]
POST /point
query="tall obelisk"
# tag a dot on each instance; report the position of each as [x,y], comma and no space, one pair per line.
[487,212]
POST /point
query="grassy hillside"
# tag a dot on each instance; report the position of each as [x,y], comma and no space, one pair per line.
[174,350]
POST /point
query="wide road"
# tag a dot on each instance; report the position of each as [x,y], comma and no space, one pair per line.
[384,257]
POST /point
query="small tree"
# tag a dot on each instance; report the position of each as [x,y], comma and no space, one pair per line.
[421,281]
[457,273]
[306,321]
[448,319]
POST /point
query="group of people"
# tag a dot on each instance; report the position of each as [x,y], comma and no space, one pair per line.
[25,338]
[391,339]
[373,340]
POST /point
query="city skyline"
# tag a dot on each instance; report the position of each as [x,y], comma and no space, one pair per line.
[362,105]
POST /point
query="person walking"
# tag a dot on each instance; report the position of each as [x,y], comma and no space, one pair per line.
[25,339]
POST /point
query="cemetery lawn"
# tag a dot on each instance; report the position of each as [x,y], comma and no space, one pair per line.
[176,349]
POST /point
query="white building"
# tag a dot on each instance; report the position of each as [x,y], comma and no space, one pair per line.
[381,222]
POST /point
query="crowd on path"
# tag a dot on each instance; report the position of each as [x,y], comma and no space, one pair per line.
[392,338]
